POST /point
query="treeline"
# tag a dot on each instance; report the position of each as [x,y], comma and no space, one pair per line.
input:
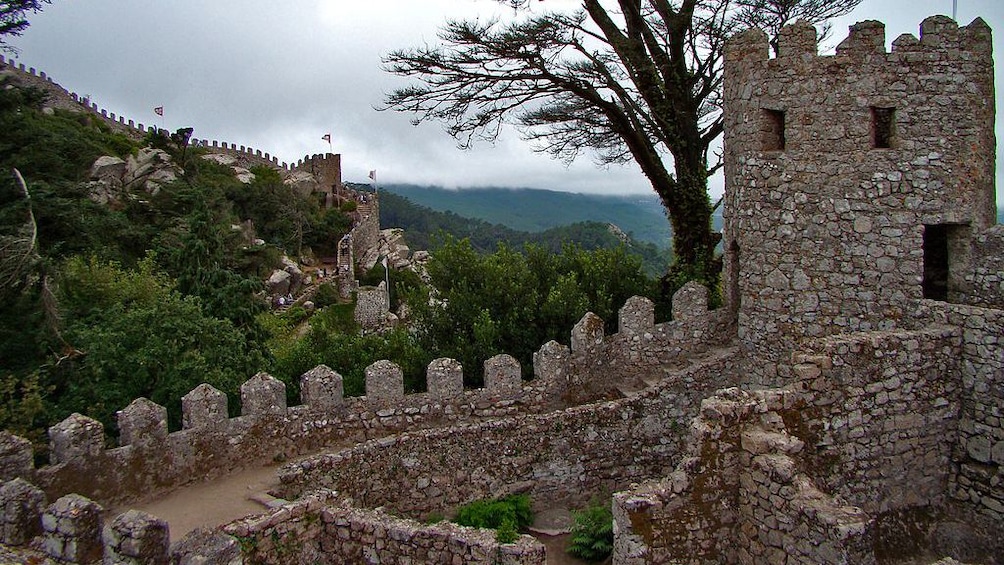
[426,228]
[156,291]
[148,294]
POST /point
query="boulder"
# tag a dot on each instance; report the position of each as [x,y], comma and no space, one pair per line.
[302,182]
[220,159]
[278,283]
[243,175]
[295,274]
[149,169]
[108,169]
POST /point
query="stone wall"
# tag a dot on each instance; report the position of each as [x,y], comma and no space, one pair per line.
[566,456]
[372,307]
[312,530]
[985,284]
[210,444]
[642,352]
[882,416]
[739,496]
[839,169]
[977,472]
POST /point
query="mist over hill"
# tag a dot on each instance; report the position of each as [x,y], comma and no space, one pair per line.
[536,210]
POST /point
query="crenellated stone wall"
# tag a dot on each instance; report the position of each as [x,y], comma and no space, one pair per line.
[566,456]
[854,182]
[149,459]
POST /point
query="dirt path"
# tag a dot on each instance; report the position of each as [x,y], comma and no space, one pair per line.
[212,503]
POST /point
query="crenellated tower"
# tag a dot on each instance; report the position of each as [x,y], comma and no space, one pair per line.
[854,182]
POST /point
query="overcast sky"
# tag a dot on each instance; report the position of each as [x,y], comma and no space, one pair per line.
[279,75]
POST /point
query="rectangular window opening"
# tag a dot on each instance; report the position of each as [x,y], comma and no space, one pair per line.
[883,127]
[946,260]
[773,130]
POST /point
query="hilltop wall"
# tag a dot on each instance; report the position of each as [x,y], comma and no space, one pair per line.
[149,458]
[64,99]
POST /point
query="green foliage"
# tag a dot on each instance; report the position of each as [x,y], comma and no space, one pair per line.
[592,536]
[326,295]
[22,407]
[508,515]
[140,337]
[347,353]
[425,228]
[512,302]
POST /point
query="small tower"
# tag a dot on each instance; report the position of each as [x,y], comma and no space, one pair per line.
[854,182]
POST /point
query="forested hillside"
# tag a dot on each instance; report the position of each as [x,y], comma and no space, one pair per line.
[534,210]
[425,228]
[111,292]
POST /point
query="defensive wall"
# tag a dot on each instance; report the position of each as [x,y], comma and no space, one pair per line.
[855,183]
[64,99]
[510,419]
[865,273]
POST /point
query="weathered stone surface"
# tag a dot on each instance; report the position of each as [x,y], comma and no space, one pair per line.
[203,406]
[142,424]
[71,530]
[445,378]
[321,389]
[203,546]
[76,438]
[21,507]
[503,376]
[136,538]
[16,456]
[263,394]
[384,382]
[587,333]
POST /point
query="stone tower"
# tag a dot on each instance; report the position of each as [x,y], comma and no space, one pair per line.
[854,182]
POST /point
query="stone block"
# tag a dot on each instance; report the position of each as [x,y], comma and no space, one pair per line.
[21,504]
[690,302]
[143,423]
[445,378]
[137,538]
[384,382]
[263,394]
[76,438]
[321,390]
[72,530]
[503,376]
[203,406]
[587,333]
[550,362]
[204,546]
[16,456]
[637,316]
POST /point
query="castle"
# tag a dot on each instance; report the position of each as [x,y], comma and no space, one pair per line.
[845,406]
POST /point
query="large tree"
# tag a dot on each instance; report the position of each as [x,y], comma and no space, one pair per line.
[12,17]
[627,79]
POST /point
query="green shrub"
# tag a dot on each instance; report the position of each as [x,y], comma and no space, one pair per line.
[326,295]
[503,514]
[592,536]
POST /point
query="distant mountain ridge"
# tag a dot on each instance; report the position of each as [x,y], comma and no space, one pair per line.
[536,210]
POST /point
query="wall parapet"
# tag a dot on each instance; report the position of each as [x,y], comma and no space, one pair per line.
[557,456]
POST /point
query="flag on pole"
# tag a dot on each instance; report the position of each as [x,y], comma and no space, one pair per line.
[373,175]
[326,137]
[159,110]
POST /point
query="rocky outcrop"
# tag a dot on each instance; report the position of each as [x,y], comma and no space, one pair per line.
[302,183]
[241,173]
[113,178]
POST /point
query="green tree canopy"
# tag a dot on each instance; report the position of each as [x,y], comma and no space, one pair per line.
[628,80]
